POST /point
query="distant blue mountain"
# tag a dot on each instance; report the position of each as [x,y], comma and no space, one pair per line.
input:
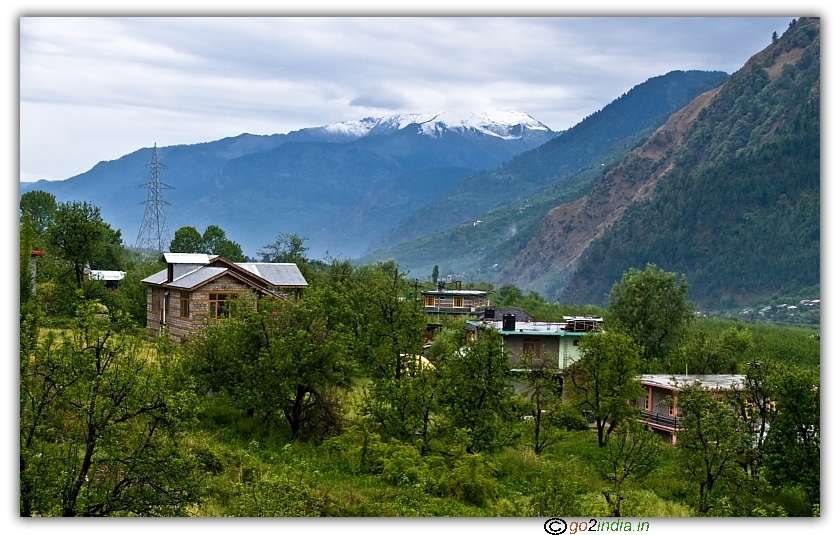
[307,181]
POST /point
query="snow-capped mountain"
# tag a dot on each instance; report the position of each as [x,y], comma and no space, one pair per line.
[507,125]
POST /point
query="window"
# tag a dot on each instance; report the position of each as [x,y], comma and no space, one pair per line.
[671,408]
[647,400]
[217,308]
[533,347]
[430,301]
[458,302]
[185,304]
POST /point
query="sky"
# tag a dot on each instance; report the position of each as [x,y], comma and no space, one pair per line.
[96,88]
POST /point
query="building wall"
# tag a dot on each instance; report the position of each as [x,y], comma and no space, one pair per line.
[180,327]
[448,302]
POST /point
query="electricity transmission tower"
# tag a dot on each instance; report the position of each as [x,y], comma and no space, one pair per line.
[154,235]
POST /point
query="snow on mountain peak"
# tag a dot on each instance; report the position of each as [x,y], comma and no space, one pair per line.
[502,124]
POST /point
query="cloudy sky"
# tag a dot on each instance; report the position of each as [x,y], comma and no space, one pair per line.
[94,89]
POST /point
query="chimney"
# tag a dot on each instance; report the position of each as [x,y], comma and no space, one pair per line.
[170,271]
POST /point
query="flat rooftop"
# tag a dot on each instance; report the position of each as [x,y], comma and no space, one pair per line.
[707,382]
[531,327]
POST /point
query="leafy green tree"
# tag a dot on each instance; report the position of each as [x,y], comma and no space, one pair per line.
[707,352]
[287,248]
[476,392]
[188,240]
[543,394]
[216,242]
[278,358]
[41,207]
[793,441]
[27,243]
[606,379]
[633,453]
[100,423]
[78,235]
[435,274]
[387,326]
[652,306]
[709,441]
[406,408]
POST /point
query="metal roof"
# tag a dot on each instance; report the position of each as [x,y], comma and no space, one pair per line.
[707,382]
[188,275]
[187,258]
[278,274]
[196,277]
[455,292]
[106,275]
[157,278]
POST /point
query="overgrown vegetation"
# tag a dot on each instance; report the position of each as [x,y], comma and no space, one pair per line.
[330,405]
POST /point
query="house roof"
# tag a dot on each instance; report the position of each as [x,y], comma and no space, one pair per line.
[465,293]
[106,275]
[260,275]
[707,382]
[187,258]
[521,315]
[531,328]
[196,277]
[278,274]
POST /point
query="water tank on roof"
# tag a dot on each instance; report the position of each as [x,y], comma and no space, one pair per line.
[509,322]
[489,313]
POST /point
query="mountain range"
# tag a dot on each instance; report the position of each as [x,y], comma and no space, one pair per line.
[725,191]
[703,173]
[307,181]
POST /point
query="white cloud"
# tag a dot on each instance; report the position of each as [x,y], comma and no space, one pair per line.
[97,88]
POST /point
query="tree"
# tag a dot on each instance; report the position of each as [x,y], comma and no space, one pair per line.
[632,454]
[213,241]
[775,37]
[387,326]
[187,240]
[543,398]
[216,242]
[605,379]
[651,306]
[41,208]
[709,441]
[100,423]
[278,358]
[793,441]
[78,235]
[476,393]
[435,274]
[704,352]
[27,243]
[286,248]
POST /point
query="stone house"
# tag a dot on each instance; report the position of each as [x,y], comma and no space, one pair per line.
[191,292]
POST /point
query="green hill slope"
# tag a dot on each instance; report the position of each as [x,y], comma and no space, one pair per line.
[739,211]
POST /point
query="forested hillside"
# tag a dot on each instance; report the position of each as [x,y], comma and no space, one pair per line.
[739,211]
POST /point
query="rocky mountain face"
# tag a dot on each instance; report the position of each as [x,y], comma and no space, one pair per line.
[492,215]
[557,162]
[726,192]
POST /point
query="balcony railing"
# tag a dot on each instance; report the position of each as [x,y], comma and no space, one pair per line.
[659,419]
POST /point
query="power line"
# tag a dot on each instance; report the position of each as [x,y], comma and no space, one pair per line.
[154,234]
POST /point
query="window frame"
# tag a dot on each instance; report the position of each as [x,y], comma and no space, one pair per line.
[185,304]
